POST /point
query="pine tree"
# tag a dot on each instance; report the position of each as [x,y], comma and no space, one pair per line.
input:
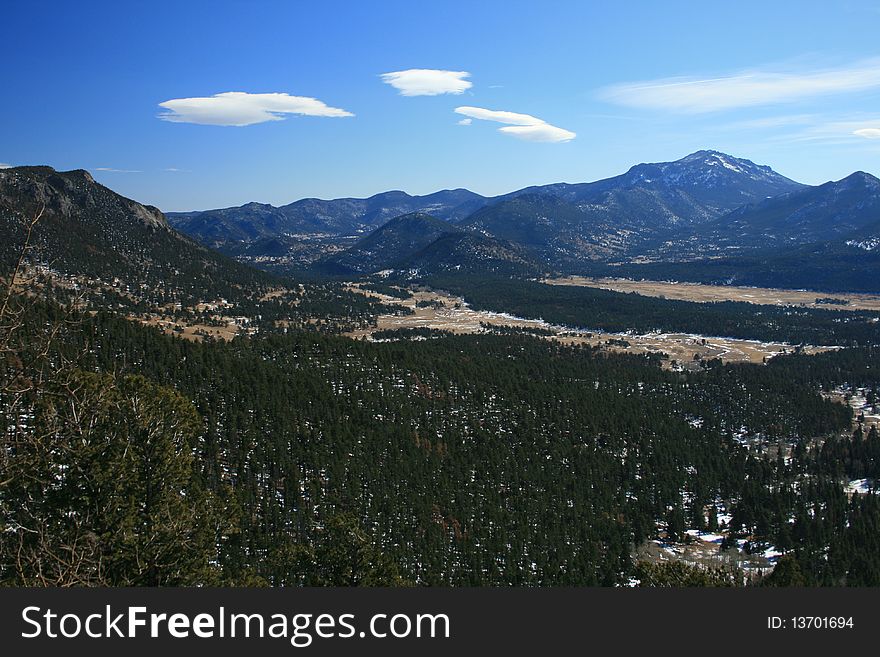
[786,573]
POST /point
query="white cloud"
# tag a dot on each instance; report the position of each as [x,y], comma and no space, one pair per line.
[3,165]
[540,132]
[112,170]
[744,89]
[500,116]
[465,122]
[428,82]
[521,126]
[868,133]
[237,108]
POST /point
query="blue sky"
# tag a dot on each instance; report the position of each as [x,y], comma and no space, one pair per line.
[563,91]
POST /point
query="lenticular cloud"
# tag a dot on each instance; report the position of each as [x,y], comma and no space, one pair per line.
[521,126]
[237,108]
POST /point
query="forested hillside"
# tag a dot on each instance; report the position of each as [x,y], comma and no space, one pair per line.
[464,460]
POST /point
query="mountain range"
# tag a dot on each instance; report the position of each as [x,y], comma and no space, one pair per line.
[593,219]
[728,218]
[707,217]
[344,216]
[813,214]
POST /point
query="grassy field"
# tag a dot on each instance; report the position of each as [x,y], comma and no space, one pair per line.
[708,293]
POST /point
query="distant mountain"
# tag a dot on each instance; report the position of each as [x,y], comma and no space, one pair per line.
[714,181]
[91,232]
[696,188]
[466,252]
[389,246]
[813,214]
[820,238]
[553,229]
[345,216]
[420,241]
[566,224]
[226,226]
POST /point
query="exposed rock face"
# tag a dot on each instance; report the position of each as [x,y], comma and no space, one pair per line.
[96,238]
[23,190]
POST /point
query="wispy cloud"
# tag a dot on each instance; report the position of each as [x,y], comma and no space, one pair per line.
[428,81]
[176,170]
[772,122]
[521,126]
[112,170]
[465,122]
[842,130]
[868,133]
[237,108]
[743,89]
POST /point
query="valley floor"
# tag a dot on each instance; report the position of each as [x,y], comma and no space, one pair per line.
[451,313]
[702,293]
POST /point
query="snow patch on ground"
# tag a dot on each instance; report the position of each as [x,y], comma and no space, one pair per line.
[708,537]
[772,553]
[859,486]
[867,245]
